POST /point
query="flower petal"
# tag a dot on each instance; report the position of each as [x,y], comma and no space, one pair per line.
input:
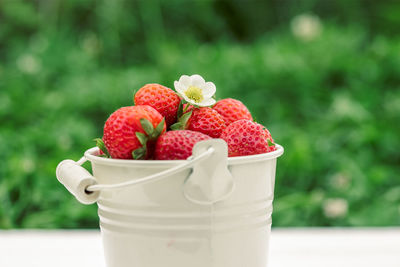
[185,80]
[208,89]
[197,80]
[206,102]
[179,87]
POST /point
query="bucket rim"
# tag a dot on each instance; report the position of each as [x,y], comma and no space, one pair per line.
[91,155]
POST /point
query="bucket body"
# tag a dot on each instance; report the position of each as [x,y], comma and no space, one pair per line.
[154,224]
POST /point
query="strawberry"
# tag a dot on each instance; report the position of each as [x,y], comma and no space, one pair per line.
[204,120]
[161,98]
[232,110]
[177,144]
[207,121]
[130,132]
[245,137]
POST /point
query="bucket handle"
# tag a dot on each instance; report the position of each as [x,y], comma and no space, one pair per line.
[154,177]
[86,190]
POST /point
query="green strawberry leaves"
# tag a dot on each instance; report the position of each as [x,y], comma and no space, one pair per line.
[140,153]
[149,129]
[100,144]
[183,117]
[180,108]
[147,126]
[159,129]
[142,138]
[150,134]
[270,143]
[176,126]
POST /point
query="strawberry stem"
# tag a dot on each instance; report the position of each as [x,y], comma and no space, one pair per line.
[186,108]
[180,109]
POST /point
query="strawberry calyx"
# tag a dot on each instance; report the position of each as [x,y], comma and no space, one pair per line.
[140,153]
[270,143]
[182,122]
[100,144]
[183,117]
[150,134]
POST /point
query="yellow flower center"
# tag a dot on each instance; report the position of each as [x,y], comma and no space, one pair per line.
[194,93]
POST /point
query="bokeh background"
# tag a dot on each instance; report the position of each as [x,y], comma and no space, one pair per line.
[323,76]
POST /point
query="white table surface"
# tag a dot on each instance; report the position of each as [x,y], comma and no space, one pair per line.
[298,247]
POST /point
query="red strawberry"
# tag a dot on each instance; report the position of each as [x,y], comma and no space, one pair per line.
[232,110]
[163,99]
[207,121]
[245,137]
[130,132]
[177,144]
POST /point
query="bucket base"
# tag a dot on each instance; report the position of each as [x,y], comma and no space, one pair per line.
[234,249]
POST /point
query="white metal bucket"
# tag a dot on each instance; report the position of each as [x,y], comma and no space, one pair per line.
[216,214]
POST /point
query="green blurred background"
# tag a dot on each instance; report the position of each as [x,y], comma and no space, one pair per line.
[323,76]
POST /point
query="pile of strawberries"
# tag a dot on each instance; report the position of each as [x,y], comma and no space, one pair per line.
[163,126]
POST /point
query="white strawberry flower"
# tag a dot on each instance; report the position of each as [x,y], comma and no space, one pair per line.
[195,90]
